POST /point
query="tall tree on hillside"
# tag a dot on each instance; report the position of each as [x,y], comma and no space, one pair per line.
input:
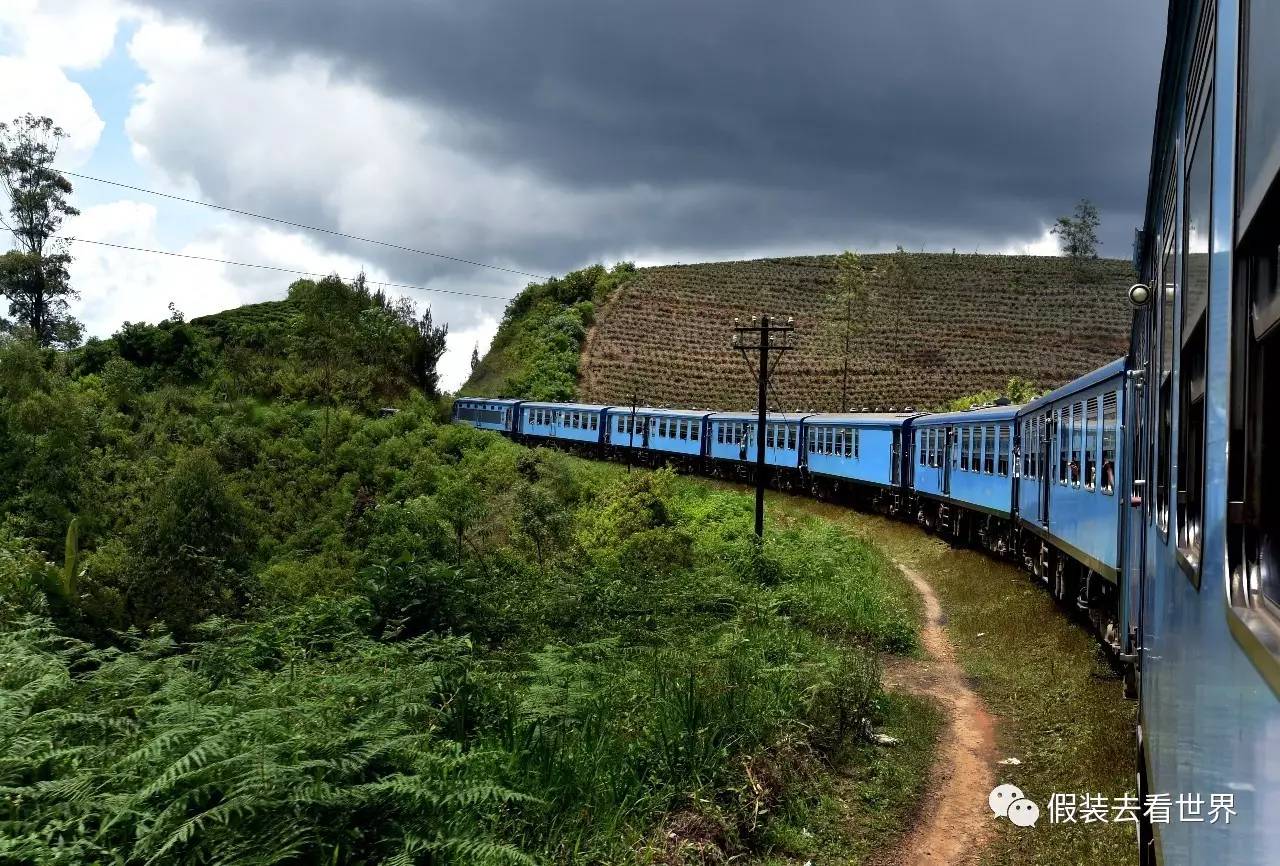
[849,297]
[900,277]
[35,276]
[428,348]
[1078,234]
[475,356]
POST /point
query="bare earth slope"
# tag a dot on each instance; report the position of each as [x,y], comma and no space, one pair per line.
[937,326]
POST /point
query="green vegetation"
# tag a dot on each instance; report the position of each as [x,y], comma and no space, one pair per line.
[536,351]
[1061,708]
[246,618]
[1017,391]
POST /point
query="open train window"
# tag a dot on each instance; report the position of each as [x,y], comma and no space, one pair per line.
[1164,390]
[989,449]
[1091,443]
[1062,430]
[1253,469]
[1006,435]
[1107,481]
[1197,216]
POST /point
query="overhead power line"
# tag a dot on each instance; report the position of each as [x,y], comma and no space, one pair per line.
[278,268]
[298,225]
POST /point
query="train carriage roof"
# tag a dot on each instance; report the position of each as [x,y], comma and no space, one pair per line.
[650,411]
[574,407]
[862,419]
[985,415]
[772,417]
[1088,380]
[505,401]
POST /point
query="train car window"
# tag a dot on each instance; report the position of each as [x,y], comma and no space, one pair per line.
[1077,440]
[1091,444]
[964,448]
[695,430]
[920,447]
[1191,363]
[1006,443]
[1107,483]
[955,447]
[1164,391]
[1261,115]
[1253,464]
[989,449]
[1062,428]
[857,444]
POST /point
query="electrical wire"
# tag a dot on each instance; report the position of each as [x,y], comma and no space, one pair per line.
[278,268]
[298,225]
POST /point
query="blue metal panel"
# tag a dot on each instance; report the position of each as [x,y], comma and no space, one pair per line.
[872,462]
[731,436]
[1084,501]
[486,414]
[1212,724]
[979,475]
[571,422]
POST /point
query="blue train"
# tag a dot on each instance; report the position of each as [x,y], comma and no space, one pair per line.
[1141,493]
[1035,482]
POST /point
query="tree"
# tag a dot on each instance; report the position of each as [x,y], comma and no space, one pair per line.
[326,331]
[475,356]
[428,348]
[1078,234]
[35,276]
[850,300]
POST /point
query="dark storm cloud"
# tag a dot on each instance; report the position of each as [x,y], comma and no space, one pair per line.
[804,123]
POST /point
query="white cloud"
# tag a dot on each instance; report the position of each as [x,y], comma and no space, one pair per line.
[43,89]
[119,285]
[1045,245]
[68,34]
[455,366]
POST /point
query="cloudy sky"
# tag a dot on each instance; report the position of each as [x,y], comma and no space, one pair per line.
[543,136]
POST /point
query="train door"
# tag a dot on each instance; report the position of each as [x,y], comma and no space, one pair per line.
[1132,495]
[944,460]
[895,458]
[1048,463]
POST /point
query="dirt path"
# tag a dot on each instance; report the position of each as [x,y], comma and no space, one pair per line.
[955,821]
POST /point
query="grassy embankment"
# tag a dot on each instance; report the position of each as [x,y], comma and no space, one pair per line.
[1059,705]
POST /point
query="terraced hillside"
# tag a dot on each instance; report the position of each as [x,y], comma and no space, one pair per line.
[935,326]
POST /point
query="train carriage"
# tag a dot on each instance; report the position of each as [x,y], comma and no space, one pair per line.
[731,443]
[962,472]
[1067,501]
[486,413]
[1203,527]
[856,452]
[580,423]
[677,432]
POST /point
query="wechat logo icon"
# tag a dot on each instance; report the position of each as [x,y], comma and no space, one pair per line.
[1008,801]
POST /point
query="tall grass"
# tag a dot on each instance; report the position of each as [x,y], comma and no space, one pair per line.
[649,661]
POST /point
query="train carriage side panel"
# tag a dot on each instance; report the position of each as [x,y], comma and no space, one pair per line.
[854,446]
[732,435]
[1070,496]
[967,458]
[486,414]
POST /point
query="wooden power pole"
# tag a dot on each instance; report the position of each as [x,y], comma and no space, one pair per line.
[762,338]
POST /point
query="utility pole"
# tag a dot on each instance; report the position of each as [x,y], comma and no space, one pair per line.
[762,338]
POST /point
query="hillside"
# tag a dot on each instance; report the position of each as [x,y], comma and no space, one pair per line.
[936,326]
